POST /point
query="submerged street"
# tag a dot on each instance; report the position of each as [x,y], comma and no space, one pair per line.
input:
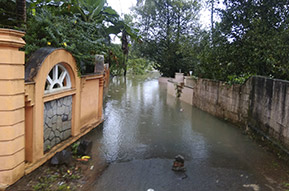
[145,129]
[83,107]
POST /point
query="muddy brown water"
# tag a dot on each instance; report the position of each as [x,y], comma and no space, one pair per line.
[144,129]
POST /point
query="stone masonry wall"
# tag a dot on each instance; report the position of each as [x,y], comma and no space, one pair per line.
[57,121]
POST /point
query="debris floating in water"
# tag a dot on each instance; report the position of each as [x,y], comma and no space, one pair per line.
[254,186]
[179,163]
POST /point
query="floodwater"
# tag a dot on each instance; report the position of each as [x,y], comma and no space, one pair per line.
[144,129]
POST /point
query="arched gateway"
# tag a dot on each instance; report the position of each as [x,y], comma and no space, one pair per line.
[57,94]
[44,108]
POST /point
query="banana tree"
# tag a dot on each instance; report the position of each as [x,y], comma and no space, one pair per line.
[90,13]
[90,9]
[127,33]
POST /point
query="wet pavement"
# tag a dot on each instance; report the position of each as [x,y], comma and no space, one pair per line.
[145,129]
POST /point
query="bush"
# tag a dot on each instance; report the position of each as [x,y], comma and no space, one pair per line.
[139,66]
[82,39]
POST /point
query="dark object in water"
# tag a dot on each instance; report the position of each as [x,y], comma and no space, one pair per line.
[179,164]
[84,147]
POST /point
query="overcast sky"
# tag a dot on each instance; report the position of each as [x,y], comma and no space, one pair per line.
[122,7]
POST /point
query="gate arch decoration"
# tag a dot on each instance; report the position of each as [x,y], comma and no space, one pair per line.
[58,112]
[57,79]
[56,84]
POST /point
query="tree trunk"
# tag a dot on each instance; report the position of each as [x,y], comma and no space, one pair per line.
[212,15]
[212,21]
[21,11]
[124,47]
[125,65]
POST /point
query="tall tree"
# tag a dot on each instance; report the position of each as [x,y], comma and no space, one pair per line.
[257,29]
[251,39]
[212,5]
[165,25]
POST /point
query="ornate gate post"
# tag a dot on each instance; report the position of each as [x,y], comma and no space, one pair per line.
[12,112]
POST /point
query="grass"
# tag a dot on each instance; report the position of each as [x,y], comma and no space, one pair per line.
[58,178]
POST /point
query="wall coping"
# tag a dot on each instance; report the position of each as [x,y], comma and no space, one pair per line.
[267,78]
[185,86]
[36,60]
[255,76]
[92,75]
[11,38]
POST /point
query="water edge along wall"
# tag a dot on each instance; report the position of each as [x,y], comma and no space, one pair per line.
[260,103]
[45,105]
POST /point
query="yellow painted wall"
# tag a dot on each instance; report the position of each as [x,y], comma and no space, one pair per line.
[89,100]
[12,110]
[22,107]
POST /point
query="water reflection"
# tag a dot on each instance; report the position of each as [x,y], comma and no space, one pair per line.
[142,122]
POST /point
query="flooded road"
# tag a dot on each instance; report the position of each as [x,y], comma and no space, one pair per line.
[145,129]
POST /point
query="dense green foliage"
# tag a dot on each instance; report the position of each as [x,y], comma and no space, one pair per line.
[170,30]
[139,66]
[250,39]
[80,26]
[8,15]
[116,60]
[46,29]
